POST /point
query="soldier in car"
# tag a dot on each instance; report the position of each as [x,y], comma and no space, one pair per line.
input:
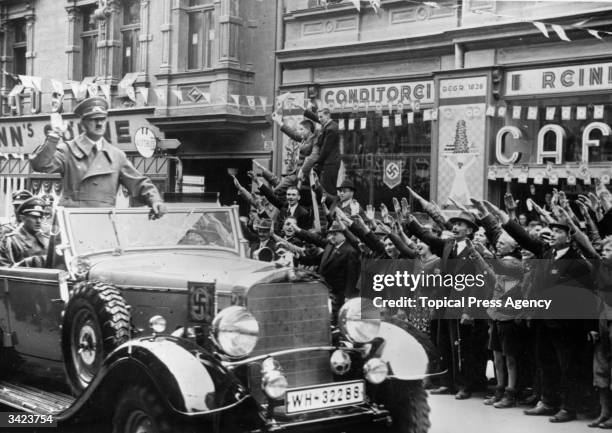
[92,169]
[27,245]
[18,198]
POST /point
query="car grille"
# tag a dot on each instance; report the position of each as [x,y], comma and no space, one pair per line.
[291,315]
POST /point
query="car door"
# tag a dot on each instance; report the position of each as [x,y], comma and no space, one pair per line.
[33,301]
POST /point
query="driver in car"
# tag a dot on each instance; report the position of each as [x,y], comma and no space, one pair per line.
[27,245]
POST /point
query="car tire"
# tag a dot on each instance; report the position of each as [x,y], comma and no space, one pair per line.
[407,403]
[141,410]
[96,321]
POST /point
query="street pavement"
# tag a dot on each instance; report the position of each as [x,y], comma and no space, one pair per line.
[472,416]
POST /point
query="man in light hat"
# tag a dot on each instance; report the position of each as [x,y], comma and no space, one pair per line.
[92,168]
[27,245]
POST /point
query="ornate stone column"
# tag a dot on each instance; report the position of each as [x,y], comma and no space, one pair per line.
[144,39]
[164,66]
[109,45]
[72,47]
[30,53]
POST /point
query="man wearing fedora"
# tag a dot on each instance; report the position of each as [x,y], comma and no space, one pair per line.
[338,263]
[262,244]
[464,334]
[92,169]
[27,244]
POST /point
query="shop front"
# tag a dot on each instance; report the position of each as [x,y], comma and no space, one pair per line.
[552,129]
[385,136]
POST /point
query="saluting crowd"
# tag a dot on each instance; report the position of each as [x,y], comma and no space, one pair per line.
[553,365]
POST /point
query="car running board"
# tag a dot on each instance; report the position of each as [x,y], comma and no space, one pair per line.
[33,400]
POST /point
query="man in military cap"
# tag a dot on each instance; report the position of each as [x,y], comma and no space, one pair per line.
[27,245]
[18,198]
[91,167]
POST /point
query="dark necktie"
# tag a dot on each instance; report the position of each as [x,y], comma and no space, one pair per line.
[455,249]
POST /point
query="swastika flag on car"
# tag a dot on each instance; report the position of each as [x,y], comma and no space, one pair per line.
[392,175]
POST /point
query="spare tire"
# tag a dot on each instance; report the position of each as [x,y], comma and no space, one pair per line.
[96,321]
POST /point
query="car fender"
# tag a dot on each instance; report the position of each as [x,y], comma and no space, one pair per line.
[404,351]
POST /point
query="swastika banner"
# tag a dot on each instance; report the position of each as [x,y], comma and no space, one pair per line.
[392,176]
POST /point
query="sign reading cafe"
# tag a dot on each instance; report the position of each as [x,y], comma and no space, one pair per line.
[383,94]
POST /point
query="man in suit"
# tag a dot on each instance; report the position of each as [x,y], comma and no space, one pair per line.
[338,264]
[328,142]
[290,206]
[559,342]
[92,169]
[464,333]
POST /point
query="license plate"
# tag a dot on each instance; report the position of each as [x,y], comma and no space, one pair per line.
[324,396]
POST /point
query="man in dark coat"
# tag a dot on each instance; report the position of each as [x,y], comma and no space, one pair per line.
[465,330]
[328,142]
[92,169]
[561,270]
[289,207]
[338,264]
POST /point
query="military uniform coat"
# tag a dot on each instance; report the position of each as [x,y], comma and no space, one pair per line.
[91,176]
[20,244]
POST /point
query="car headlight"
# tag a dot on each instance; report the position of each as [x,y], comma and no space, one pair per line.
[235,331]
[359,320]
[157,324]
[376,371]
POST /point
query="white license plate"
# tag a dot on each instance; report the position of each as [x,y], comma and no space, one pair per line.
[324,396]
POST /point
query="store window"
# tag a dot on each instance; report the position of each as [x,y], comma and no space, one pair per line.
[201,33]
[20,42]
[89,41]
[130,31]
[366,152]
[526,146]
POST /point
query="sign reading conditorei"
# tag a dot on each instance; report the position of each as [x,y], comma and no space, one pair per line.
[384,94]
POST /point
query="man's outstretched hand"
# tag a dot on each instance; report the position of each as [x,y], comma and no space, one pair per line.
[158,210]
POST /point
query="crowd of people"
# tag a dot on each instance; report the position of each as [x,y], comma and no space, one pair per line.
[527,251]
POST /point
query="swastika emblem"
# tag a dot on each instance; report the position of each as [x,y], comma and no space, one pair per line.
[393,170]
[201,303]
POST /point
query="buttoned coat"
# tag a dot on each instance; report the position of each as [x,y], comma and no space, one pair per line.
[20,245]
[91,178]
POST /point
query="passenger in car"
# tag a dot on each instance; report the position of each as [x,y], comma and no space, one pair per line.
[27,245]
[18,198]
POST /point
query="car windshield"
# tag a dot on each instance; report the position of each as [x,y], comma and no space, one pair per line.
[123,229]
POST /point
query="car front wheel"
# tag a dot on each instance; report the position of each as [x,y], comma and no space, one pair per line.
[96,321]
[140,410]
[407,403]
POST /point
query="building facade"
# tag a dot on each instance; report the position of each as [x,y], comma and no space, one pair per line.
[197,75]
[452,97]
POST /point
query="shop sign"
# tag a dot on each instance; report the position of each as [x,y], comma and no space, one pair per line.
[563,79]
[383,94]
[25,136]
[145,141]
[509,157]
[463,87]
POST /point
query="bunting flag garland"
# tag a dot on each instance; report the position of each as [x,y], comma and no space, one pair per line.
[92,90]
[351,124]
[550,113]
[251,101]
[516,112]
[410,118]
[131,93]
[363,123]
[434,114]
[532,113]
[501,111]
[598,112]
[206,96]
[57,86]
[398,120]
[375,4]
[161,97]
[236,99]
[263,100]
[16,90]
[357,4]
[341,124]
[490,111]
[566,113]
[385,121]
[595,34]
[37,82]
[581,113]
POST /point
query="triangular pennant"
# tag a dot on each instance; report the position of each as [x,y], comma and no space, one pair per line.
[16,90]
[560,32]
[179,95]
[541,27]
[106,91]
[357,4]
[206,96]
[595,34]
[57,86]
[263,100]
[161,97]
[144,91]
[236,99]
[82,91]
[92,89]
[74,86]
[131,93]
[37,83]
[375,4]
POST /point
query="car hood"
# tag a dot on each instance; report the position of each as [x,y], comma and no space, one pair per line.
[173,269]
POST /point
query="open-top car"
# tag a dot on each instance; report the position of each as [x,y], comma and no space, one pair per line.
[165,325]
